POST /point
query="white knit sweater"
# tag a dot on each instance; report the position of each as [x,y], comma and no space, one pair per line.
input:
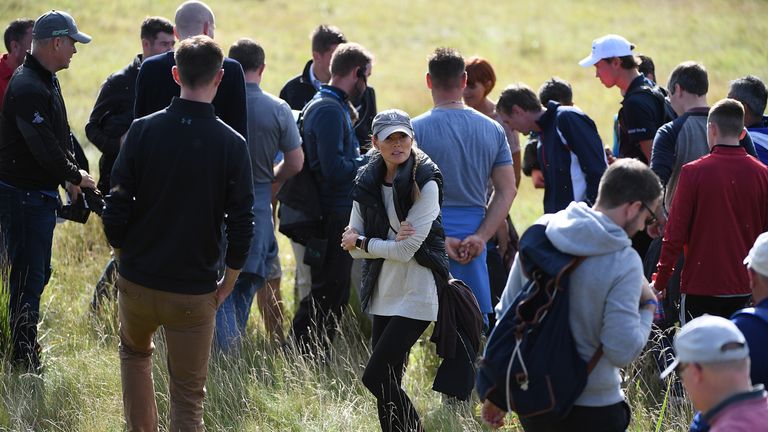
[404,287]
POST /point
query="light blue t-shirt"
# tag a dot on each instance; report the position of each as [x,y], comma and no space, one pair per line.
[466,146]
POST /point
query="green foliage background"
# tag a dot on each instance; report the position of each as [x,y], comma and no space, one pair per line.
[526,41]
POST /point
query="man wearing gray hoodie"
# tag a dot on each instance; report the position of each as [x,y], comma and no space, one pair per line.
[610,300]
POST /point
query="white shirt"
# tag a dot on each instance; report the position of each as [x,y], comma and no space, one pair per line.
[404,287]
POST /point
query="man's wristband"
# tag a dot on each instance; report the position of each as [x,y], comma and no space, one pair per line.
[649,302]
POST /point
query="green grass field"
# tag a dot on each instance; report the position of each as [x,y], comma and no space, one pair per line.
[263,390]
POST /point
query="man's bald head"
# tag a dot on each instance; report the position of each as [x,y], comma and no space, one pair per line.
[194,18]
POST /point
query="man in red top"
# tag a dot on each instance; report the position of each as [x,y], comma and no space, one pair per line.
[18,40]
[719,210]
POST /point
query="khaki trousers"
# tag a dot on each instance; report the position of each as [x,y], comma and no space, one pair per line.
[188,321]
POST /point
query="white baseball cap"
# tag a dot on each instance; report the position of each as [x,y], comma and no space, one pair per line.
[757,259]
[708,339]
[605,47]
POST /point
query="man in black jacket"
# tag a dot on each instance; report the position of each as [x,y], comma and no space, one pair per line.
[36,156]
[113,113]
[301,88]
[179,172]
[155,86]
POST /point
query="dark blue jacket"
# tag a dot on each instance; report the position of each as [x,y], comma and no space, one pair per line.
[332,149]
[155,88]
[299,90]
[756,332]
[571,156]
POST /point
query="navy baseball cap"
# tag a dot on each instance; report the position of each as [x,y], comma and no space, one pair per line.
[55,24]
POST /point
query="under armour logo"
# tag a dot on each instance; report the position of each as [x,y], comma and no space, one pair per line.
[186,121]
[37,119]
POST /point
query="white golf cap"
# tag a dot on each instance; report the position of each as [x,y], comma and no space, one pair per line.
[757,259]
[708,339]
[605,47]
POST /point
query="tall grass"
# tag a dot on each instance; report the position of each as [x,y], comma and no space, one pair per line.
[263,389]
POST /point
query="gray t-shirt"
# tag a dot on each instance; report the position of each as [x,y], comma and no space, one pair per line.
[271,128]
[466,145]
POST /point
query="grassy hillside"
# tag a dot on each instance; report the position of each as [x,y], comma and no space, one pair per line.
[525,41]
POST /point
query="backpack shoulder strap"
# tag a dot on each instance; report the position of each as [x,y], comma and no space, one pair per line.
[313,103]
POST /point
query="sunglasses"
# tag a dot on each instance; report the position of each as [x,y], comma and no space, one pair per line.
[651,220]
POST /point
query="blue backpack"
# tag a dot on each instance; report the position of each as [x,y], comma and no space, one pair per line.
[530,364]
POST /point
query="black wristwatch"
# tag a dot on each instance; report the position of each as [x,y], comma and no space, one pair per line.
[359,242]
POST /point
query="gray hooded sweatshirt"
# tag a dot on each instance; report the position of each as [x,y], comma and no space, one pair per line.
[604,296]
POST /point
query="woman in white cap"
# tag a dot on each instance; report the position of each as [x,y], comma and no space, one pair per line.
[395,226]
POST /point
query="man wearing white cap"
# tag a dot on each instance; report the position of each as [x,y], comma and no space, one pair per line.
[712,360]
[37,155]
[753,322]
[642,109]
[642,113]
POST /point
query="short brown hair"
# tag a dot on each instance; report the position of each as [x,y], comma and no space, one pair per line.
[325,37]
[446,67]
[154,25]
[626,62]
[480,71]
[728,115]
[626,181]
[691,77]
[348,57]
[248,53]
[198,60]
[16,31]
[518,94]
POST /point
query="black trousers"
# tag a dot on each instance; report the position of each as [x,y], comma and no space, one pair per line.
[315,322]
[611,418]
[392,339]
[694,306]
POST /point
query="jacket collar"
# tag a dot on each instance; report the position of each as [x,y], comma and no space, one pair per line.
[635,84]
[305,74]
[32,63]
[192,108]
[728,150]
[548,117]
[339,93]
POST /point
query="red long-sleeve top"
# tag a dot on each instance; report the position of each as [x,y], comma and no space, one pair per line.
[719,209]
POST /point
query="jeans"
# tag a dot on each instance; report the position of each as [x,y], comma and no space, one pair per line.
[27,220]
[232,317]
[188,321]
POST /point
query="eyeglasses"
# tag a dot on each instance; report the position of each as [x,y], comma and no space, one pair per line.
[651,220]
